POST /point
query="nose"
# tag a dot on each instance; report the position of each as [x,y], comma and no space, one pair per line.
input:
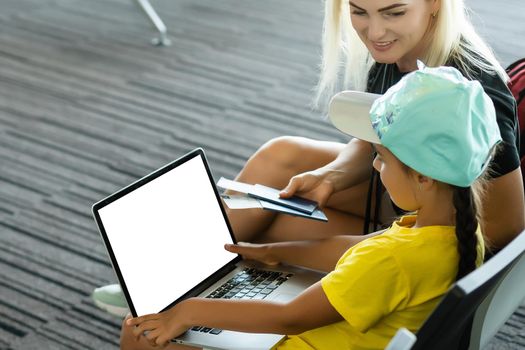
[376,29]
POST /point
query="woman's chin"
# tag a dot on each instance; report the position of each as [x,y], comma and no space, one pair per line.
[383,58]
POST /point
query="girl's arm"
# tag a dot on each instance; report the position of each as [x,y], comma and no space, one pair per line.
[311,309]
[326,251]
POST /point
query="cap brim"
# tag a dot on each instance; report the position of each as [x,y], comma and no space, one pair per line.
[349,112]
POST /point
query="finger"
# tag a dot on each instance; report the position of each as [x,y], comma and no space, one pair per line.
[133,321]
[322,200]
[293,186]
[143,327]
[242,251]
[138,320]
[239,248]
[163,340]
[125,321]
[137,333]
[153,335]
[232,248]
[151,343]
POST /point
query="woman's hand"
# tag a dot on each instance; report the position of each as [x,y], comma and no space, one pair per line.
[312,184]
[351,167]
[257,252]
[161,327]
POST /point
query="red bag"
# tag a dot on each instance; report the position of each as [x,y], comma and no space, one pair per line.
[516,72]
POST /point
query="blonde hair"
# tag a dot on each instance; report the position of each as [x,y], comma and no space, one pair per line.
[453,39]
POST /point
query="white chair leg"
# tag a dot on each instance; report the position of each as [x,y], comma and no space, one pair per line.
[163,39]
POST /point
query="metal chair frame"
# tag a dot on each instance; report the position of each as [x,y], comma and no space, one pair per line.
[147,8]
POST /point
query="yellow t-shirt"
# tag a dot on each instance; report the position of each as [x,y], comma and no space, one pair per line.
[389,281]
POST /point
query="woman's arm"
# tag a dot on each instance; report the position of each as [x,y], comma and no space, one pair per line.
[352,166]
[311,309]
[504,209]
[326,251]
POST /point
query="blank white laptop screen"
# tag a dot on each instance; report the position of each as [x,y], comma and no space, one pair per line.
[167,235]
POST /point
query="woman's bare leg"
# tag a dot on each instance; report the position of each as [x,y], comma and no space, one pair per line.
[273,165]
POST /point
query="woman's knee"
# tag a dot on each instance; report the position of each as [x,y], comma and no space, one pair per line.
[283,151]
[295,153]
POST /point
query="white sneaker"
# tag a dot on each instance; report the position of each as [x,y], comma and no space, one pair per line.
[111,299]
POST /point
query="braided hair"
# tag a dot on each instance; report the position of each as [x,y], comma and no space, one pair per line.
[467,204]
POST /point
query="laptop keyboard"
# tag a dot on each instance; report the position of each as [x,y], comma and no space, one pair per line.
[249,283]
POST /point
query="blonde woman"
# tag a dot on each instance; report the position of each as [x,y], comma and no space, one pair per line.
[376,42]
[379,41]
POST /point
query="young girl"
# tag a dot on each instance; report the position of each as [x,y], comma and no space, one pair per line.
[434,133]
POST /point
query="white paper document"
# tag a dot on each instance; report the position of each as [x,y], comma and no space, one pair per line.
[240,202]
[259,196]
[234,185]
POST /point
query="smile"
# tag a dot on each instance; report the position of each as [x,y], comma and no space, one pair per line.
[382,45]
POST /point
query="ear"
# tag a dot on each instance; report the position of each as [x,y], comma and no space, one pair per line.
[424,182]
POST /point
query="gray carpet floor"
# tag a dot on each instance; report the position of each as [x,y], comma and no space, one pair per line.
[87,106]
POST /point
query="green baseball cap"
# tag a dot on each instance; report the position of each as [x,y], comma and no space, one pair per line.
[433,120]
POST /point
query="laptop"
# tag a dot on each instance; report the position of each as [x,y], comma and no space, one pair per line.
[165,236]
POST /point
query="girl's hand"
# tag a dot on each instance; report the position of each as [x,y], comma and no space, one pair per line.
[312,185]
[250,251]
[161,327]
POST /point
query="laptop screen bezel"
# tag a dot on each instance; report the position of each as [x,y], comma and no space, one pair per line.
[199,288]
